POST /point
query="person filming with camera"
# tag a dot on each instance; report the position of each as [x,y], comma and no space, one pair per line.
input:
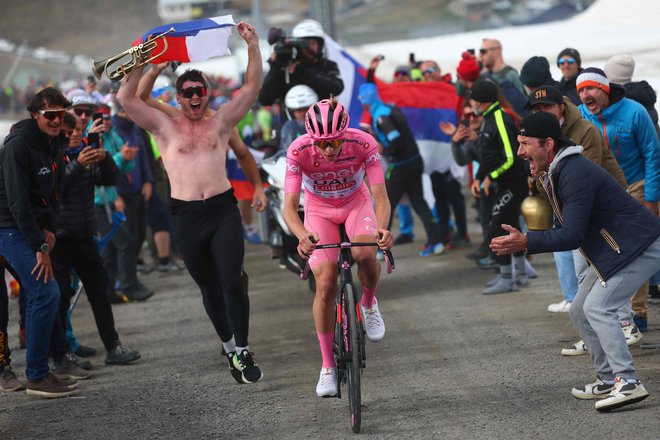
[297,60]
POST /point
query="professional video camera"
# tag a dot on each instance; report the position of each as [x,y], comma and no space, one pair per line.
[287,50]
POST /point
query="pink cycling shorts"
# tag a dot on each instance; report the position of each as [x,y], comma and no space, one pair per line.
[357,215]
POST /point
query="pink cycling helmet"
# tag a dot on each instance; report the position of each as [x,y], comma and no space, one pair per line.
[327,119]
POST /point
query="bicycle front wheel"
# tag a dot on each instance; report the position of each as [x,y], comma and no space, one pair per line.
[354,363]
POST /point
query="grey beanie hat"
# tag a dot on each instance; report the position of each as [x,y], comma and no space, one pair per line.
[620,68]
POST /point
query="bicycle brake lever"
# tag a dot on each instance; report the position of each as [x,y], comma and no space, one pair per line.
[389,259]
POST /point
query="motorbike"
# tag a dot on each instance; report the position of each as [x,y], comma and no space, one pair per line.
[282,242]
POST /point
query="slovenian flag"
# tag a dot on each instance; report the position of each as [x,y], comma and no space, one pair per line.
[191,41]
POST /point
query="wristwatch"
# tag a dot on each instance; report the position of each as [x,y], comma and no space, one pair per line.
[44,248]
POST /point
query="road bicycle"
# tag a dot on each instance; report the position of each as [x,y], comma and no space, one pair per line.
[349,342]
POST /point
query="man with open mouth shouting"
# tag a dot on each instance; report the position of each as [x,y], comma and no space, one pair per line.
[208,225]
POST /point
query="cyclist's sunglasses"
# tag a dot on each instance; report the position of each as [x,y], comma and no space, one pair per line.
[562,61]
[52,114]
[429,71]
[81,111]
[332,143]
[192,91]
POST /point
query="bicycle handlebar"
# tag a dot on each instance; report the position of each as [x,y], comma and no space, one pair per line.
[389,258]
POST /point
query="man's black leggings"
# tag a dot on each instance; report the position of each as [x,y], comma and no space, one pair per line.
[209,234]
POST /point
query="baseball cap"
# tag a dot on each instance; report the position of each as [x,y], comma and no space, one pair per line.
[545,95]
[543,125]
[81,97]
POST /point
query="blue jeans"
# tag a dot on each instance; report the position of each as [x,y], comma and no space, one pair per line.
[42,301]
[566,273]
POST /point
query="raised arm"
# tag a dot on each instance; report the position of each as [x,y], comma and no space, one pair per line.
[143,115]
[145,87]
[235,110]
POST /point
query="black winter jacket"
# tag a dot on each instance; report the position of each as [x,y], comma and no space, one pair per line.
[323,77]
[568,88]
[31,170]
[499,147]
[642,92]
[77,214]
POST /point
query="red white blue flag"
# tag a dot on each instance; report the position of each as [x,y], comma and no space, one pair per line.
[191,41]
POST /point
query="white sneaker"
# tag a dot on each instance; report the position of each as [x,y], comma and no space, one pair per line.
[624,393]
[575,350]
[631,332]
[373,322]
[327,386]
[561,307]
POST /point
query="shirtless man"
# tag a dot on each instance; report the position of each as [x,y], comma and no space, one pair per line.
[207,221]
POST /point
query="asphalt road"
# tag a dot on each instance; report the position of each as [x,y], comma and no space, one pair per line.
[453,364]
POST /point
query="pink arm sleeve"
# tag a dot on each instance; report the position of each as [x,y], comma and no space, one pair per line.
[293,177]
[373,167]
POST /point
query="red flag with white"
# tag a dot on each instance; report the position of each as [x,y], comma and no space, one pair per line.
[191,41]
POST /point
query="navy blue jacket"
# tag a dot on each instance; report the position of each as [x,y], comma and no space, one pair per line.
[593,212]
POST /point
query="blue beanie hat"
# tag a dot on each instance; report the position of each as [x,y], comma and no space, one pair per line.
[368,94]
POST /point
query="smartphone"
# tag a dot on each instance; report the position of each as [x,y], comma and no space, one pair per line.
[93,140]
[96,116]
[465,123]
[380,57]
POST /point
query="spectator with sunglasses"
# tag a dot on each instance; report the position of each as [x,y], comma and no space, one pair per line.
[31,170]
[83,105]
[432,72]
[446,189]
[493,63]
[207,222]
[569,62]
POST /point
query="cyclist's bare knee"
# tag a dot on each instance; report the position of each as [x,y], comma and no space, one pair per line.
[325,276]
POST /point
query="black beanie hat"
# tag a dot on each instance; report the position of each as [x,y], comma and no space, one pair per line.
[535,72]
[570,52]
[484,90]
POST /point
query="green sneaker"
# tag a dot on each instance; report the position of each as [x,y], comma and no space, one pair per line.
[249,369]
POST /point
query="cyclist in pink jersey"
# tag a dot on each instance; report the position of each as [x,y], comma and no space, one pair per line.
[331,161]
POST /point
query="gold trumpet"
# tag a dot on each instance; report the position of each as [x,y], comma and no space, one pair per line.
[139,56]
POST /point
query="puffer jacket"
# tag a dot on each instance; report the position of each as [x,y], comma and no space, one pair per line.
[77,214]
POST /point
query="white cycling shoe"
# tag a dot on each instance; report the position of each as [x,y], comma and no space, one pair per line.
[327,386]
[373,322]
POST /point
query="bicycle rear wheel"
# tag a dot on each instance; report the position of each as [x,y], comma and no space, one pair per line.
[354,364]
